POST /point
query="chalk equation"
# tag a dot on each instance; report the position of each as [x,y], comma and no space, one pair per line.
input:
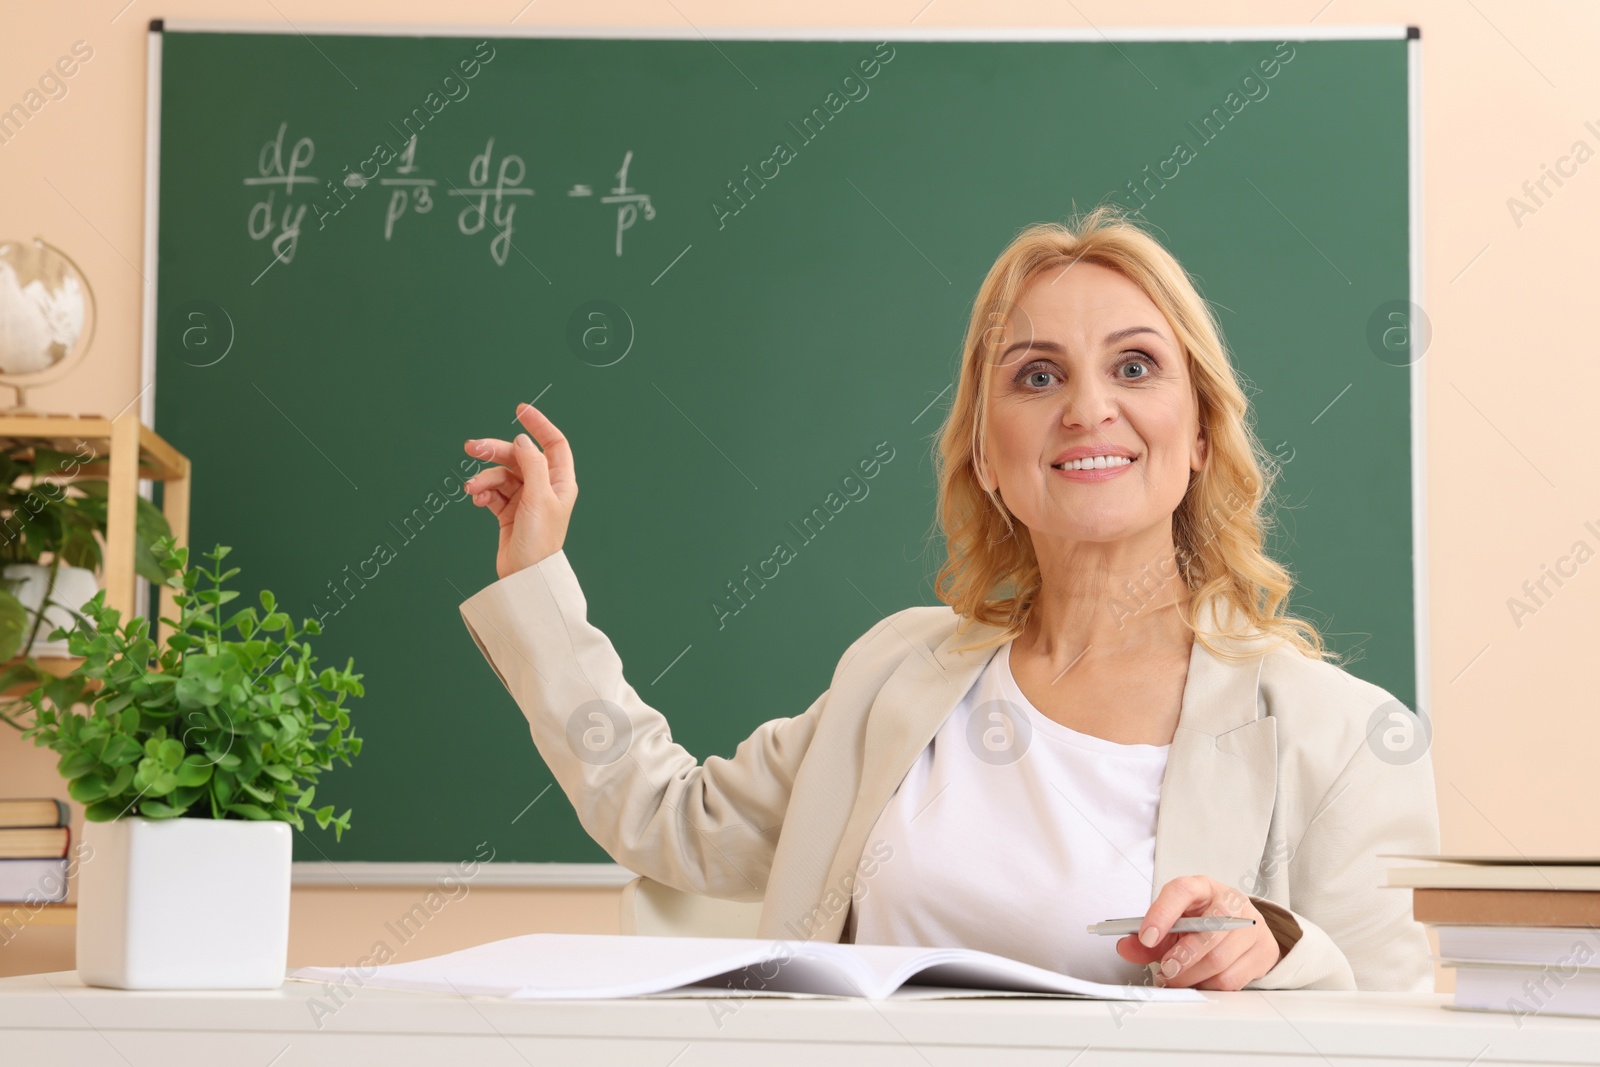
[629,202]
[415,194]
[489,192]
[272,171]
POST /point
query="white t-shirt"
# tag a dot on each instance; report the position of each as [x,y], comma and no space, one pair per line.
[1012,833]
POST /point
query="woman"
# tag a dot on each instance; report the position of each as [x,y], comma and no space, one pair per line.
[1110,714]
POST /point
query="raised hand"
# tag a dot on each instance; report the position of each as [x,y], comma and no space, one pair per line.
[531,492]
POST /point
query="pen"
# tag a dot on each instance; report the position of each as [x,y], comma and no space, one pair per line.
[1185,925]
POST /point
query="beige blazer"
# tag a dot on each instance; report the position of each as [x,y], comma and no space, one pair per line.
[1271,783]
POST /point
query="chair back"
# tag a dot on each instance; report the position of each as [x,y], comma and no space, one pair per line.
[649,907]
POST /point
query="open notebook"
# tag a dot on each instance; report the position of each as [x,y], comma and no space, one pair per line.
[567,966]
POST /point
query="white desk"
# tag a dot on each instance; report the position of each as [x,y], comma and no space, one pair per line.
[54,1019]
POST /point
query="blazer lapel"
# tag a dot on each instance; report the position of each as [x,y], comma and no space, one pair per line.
[1220,784]
[916,700]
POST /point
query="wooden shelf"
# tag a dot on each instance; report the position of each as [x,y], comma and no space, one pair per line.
[17,914]
[158,460]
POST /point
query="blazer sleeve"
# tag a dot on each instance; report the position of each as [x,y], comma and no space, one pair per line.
[1354,931]
[709,828]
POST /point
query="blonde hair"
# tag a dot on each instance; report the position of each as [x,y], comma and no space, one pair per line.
[991,573]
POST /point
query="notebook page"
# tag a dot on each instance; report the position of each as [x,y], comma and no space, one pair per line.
[551,965]
[895,965]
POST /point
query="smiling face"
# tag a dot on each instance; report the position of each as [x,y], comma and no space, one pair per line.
[1089,367]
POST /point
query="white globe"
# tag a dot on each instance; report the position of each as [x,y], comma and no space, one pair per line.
[43,306]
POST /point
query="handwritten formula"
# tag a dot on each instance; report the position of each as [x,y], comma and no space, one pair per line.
[490,189]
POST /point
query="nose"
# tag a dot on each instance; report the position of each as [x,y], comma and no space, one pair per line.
[1089,403]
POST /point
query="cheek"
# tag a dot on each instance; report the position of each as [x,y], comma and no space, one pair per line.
[1007,441]
[1168,436]
[1168,430]
[1017,431]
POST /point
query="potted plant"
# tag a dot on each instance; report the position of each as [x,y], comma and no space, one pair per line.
[193,761]
[49,551]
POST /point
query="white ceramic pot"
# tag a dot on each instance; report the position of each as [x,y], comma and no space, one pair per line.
[74,587]
[184,904]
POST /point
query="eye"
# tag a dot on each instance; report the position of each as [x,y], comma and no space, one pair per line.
[1140,358]
[1031,373]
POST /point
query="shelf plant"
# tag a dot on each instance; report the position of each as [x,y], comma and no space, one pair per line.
[44,522]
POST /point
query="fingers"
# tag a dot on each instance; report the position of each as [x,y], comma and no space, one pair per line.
[503,478]
[501,505]
[1198,956]
[1213,959]
[1246,969]
[557,451]
[489,450]
[530,462]
[1131,950]
[1170,905]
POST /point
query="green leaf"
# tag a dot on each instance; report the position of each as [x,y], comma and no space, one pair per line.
[250,811]
[76,764]
[104,810]
[121,749]
[183,797]
[88,789]
[120,781]
[201,684]
[171,753]
[150,526]
[155,809]
[195,770]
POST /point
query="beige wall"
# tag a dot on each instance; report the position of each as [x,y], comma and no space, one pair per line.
[1507,87]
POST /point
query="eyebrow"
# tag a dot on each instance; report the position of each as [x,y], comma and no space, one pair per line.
[1111,339]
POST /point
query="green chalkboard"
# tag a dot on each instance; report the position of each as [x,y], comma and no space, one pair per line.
[721,362]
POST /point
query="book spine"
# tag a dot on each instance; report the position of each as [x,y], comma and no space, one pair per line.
[8,806]
[33,881]
[12,851]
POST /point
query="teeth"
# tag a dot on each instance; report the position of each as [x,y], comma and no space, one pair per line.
[1095,463]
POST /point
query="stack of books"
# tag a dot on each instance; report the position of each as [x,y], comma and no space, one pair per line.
[33,851]
[1521,933]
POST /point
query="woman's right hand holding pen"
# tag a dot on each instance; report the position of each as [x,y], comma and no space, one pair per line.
[531,491]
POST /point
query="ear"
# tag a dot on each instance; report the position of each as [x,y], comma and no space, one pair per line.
[1201,451]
